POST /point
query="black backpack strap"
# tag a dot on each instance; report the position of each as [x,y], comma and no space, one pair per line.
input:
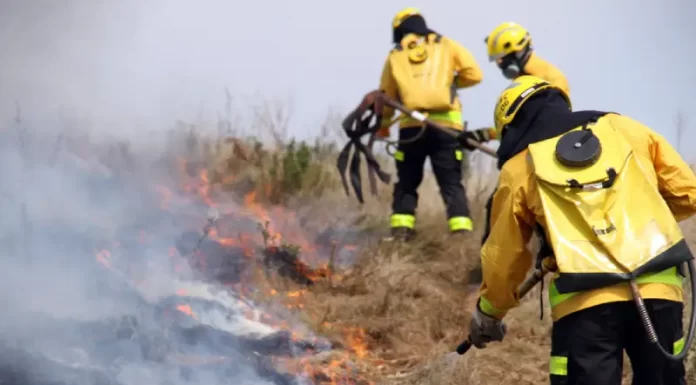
[545,251]
[487,222]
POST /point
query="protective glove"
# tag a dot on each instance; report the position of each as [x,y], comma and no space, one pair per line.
[479,136]
[484,329]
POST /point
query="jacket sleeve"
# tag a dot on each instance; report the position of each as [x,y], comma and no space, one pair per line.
[505,259]
[541,68]
[388,85]
[675,179]
[559,79]
[469,72]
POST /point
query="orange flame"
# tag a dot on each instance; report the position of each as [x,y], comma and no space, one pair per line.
[356,341]
[281,226]
[104,257]
[186,309]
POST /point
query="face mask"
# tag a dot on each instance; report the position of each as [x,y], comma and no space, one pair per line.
[512,71]
[511,65]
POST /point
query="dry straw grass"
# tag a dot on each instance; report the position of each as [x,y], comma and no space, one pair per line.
[410,303]
[413,301]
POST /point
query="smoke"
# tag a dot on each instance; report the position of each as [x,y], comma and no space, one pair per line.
[92,261]
[85,243]
[122,64]
[128,65]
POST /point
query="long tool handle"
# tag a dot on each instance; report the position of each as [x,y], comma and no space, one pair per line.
[524,289]
[424,119]
[371,177]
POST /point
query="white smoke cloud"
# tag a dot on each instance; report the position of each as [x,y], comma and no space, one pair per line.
[65,200]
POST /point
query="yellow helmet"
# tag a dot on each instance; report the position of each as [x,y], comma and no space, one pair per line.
[403,15]
[506,38]
[515,95]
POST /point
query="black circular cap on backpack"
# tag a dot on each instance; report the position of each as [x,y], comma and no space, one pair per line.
[579,148]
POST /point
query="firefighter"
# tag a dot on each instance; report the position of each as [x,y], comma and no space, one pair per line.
[552,161]
[510,47]
[423,71]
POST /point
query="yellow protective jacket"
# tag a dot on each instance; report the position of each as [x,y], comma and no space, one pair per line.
[541,68]
[468,73]
[536,66]
[516,208]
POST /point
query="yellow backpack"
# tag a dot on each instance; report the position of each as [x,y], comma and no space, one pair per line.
[605,218]
[424,72]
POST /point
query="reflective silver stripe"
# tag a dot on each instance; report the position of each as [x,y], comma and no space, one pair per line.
[525,39]
[495,43]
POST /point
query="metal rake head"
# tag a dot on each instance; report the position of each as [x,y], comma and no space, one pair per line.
[364,120]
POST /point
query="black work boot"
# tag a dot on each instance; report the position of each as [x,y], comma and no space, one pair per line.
[403,234]
[476,275]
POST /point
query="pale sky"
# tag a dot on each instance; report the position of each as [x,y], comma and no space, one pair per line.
[167,59]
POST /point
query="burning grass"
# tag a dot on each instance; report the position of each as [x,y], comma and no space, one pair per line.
[257,252]
[401,308]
